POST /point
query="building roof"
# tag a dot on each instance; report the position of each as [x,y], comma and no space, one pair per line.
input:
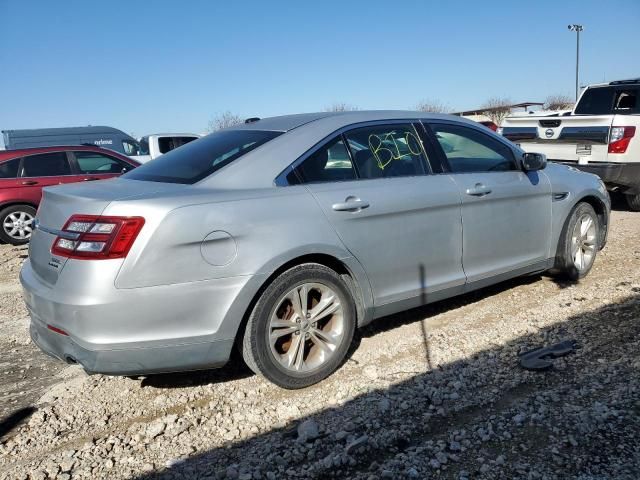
[481,110]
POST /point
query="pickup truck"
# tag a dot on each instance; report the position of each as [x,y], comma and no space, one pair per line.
[159,143]
[598,136]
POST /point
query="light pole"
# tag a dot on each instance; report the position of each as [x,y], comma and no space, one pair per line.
[576,28]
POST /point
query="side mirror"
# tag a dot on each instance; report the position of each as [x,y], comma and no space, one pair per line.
[533,161]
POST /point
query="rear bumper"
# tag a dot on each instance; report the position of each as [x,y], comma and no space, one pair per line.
[134,331]
[619,177]
[131,361]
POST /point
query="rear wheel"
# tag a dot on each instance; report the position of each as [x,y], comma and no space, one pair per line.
[301,327]
[579,243]
[634,202]
[16,224]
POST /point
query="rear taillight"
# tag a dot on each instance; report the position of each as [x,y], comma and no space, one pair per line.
[619,138]
[94,237]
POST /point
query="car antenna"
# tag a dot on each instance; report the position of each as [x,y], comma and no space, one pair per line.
[252,119]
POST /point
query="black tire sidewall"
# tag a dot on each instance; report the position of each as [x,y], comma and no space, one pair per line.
[6,212]
[566,260]
[260,317]
[633,201]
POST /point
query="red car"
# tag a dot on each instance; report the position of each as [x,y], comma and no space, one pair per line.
[24,172]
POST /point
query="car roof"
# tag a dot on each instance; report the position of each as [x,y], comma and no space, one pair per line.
[285,123]
[258,168]
[20,152]
[64,130]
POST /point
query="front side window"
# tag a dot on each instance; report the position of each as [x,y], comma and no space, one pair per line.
[96,163]
[469,150]
[46,165]
[130,148]
[199,159]
[330,163]
[387,151]
[9,169]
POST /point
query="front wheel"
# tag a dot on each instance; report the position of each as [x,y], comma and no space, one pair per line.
[634,202]
[301,328]
[16,224]
[579,242]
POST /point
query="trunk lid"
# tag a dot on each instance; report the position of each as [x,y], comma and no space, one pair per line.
[574,138]
[59,203]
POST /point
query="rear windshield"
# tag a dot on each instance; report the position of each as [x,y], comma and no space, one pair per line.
[199,159]
[596,101]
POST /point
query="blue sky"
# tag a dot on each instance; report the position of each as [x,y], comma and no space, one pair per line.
[146,67]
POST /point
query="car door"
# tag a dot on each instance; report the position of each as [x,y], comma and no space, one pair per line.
[98,166]
[9,181]
[42,170]
[402,223]
[506,212]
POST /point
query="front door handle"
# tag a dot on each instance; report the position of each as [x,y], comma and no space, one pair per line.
[89,179]
[479,190]
[29,182]
[350,204]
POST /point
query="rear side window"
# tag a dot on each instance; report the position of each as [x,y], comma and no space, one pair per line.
[387,151]
[469,150]
[330,163]
[46,165]
[626,101]
[199,159]
[9,169]
[96,163]
[596,101]
[166,144]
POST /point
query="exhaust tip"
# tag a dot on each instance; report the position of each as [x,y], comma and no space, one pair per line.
[70,360]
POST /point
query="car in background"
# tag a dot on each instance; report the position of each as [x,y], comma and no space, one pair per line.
[25,172]
[100,136]
[600,136]
[489,124]
[281,236]
[160,143]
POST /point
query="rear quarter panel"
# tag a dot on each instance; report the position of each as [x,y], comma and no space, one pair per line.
[254,233]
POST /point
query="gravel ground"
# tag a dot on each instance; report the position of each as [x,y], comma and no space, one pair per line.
[431,393]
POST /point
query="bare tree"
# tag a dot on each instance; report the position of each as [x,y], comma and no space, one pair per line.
[496,109]
[432,106]
[224,120]
[341,107]
[558,102]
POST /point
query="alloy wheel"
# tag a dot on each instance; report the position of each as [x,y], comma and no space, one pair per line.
[18,225]
[306,327]
[583,242]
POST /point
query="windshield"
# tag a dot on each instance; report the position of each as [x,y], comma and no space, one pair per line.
[199,159]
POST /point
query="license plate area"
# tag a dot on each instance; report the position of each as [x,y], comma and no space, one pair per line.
[582,149]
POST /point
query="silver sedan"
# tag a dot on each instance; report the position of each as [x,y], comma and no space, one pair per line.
[283,235]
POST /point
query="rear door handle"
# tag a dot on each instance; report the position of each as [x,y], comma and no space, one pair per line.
[29,182]
[351,204]
[90,179]
[479,190]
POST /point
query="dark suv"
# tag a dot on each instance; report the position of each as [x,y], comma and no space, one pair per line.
[24,172]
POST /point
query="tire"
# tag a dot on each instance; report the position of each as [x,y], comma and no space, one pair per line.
[274,315]
[16,224]
[634,202]
[578,244]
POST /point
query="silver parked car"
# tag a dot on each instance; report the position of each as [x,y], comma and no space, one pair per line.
[283,235]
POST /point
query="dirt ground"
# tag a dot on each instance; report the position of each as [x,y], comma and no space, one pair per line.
[431,393]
